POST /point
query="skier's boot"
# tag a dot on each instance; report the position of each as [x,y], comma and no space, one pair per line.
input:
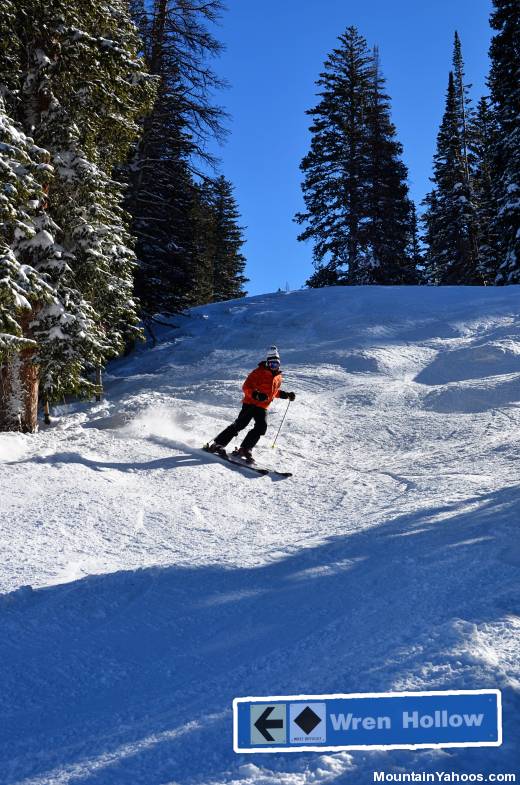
[216,448]
[245,454]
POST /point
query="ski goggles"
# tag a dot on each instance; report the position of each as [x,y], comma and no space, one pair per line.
[273,364]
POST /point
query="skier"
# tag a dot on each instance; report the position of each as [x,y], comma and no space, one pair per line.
[260,388]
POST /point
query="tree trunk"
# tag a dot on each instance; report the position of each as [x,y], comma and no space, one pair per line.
[29,382]
[99,383]
[19,383]
[9,399]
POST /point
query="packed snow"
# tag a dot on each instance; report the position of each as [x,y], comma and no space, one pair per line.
[146,583]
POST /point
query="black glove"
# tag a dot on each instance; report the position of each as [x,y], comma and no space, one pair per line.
[290,395]
[259,396]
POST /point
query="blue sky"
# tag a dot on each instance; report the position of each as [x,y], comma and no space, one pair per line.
[275,50]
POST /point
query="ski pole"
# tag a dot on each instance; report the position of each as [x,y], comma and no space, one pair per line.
[280,428]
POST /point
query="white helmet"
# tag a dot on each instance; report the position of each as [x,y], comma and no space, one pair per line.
[272,354]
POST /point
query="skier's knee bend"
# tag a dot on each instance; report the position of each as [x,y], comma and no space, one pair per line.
[262,428]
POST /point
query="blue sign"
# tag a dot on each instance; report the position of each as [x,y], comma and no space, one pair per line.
[390,720]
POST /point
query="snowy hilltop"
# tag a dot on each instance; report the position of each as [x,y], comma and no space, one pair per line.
[146,583]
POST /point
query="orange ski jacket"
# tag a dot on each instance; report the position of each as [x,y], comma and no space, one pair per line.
[265,381]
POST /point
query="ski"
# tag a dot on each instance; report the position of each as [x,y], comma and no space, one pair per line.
[261,469]
[277,473]
[253,467]
[242,464]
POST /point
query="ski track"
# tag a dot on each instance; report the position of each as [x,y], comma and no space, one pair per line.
[146,584]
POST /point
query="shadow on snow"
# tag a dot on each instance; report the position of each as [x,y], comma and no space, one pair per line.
[129,677]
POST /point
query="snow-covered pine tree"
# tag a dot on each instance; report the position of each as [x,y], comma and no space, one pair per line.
[83,90]
[24,290]
[388,210]
[35,278]
[228,260]
[72,80]
[504,82]
[482,140]
[358,212]
[163,198]
[450,256]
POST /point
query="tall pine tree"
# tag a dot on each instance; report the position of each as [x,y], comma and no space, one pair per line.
[504,82]
[482,140]
[165,201]
[46,314]
[334,182]
[464,118]
[161,201]
[86,89]
[228,260]
[449,213]
[414,251]
[358,212]
[73,81]
[24,173]
[463,102]
[388,228]
[431,220]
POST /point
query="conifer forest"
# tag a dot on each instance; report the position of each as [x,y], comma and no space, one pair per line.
[115,215]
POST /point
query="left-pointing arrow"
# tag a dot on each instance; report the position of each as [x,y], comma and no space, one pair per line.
[263,724]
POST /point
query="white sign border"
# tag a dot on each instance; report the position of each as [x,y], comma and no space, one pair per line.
[304,698]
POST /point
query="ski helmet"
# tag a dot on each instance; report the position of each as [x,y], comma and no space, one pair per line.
[272,355]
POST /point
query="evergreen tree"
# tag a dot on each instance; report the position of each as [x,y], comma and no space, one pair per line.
[85,90]
[505,92]
[50,324]
[73,81]
[23,173]
[464,117]
[10,57]
[358,212]
[450,213]
[164,199]
[213,244]
[463,102]
[334,183]
[414,251]
[432,220]
[203,248]
[34,278]
[228,260]
[388,225]
[160,201]
[482,135]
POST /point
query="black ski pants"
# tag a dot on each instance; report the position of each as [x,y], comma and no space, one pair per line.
[248,412]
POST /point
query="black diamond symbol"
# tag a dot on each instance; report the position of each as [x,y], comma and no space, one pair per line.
[307,720]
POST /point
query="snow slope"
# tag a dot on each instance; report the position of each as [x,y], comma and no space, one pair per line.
[145,584]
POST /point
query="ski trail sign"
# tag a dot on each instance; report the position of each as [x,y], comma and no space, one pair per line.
[390,720]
